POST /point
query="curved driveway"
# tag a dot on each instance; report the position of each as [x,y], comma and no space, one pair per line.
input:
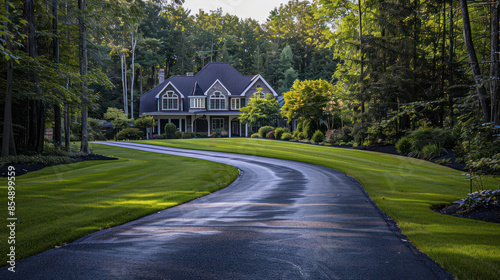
[278,220]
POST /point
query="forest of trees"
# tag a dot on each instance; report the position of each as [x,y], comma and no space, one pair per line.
[397,65]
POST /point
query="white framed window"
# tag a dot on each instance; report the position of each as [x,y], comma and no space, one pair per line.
[235,104]
[170,101]
[259,95]
[217,123]
[197,103]
[217,101]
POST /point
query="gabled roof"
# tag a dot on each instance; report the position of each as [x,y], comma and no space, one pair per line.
[254,80]
[217,81]
[235,83]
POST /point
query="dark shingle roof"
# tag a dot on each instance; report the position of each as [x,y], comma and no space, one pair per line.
[231,78]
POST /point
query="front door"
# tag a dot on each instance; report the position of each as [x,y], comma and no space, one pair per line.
[235,128]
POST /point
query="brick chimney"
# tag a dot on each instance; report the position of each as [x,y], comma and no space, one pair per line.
[161,76]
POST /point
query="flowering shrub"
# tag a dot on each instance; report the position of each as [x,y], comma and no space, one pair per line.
[270,135]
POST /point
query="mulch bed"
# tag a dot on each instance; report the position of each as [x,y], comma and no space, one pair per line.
[22,169]
[491,215]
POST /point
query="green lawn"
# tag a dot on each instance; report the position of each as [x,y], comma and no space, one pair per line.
[61,203]
[404,188]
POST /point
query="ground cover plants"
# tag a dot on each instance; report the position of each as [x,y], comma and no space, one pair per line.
[61,203]
[404,188]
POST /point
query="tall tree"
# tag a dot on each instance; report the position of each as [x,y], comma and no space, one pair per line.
[82,6]
[476,70]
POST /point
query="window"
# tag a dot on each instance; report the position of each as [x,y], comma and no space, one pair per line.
[235,103]
[197,103]
[170,101]
[217,101]
[217,123]
[259,95]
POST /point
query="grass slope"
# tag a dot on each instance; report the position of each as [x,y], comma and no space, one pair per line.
[61,203]
[404,188]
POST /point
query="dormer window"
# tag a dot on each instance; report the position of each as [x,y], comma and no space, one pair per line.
[170,101]
[197,103]
[217,101]
[259,95]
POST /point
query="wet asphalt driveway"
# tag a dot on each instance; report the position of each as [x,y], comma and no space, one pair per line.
[278,220]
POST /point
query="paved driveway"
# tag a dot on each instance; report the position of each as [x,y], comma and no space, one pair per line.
[278,220]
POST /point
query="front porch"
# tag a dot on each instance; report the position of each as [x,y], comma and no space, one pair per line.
[222,124]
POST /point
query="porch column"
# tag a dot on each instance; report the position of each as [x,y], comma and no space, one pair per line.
[169,120]
[246,130]
[192,124]
[186,124]
[239,131]
[229,126]
[209,123]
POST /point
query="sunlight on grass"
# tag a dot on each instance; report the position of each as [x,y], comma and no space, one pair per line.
[404,188]
[59,204]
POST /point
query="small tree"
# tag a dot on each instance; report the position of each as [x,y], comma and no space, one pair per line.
[170,131]
[262,111]
[145,122]
[117,118]
[307,99]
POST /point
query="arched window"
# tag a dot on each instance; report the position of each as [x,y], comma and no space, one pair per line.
[259,95]
[217,101]
[170,101]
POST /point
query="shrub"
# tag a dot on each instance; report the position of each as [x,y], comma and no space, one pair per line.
[170,130]
[130,133]
[346,134]
[278,132]
[318,137]
[255,135]
[263,131]
[425,136]
[299,125]
[213,134]
[187,135]
[404,146]
[177,135]
[431,151]
[301,136]
[270,135]
[36,159]
[286,136]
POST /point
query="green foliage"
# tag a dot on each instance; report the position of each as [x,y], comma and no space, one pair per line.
[170,130]
[301,135]
[96,130]
[404,146]
[188,135]
[263,131]
[263,111]
[431,151]
[286,136]
[117,118]
[278,132]
[130,133]
[145,122]
[307,99]
[255,135]
[37,159]
[318,137]
[425,136]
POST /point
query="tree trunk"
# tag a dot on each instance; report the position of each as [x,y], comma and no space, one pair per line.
[67,127]
[55,48]
[494,66]
[134,44]
[82,6]
[450,67]
[361,78]
[8,144]
[476,71]
[36,107]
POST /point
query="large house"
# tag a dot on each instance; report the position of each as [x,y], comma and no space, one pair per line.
[206,102]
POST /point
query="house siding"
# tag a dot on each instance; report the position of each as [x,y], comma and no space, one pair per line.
[250,92]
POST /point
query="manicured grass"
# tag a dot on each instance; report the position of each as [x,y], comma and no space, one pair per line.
[61,203]
[404,188]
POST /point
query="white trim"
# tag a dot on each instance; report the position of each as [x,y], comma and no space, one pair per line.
[165,96]
[216,118]
[194,101]
[225,102]
[239,103]
[197,96]
[169,83]
[206,92]
[254,81]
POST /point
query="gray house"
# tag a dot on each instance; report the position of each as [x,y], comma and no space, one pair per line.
[206,102]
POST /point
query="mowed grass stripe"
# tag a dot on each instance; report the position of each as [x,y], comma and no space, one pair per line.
[61,203]
[404,188]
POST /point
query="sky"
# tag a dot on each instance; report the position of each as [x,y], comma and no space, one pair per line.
[256,9]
